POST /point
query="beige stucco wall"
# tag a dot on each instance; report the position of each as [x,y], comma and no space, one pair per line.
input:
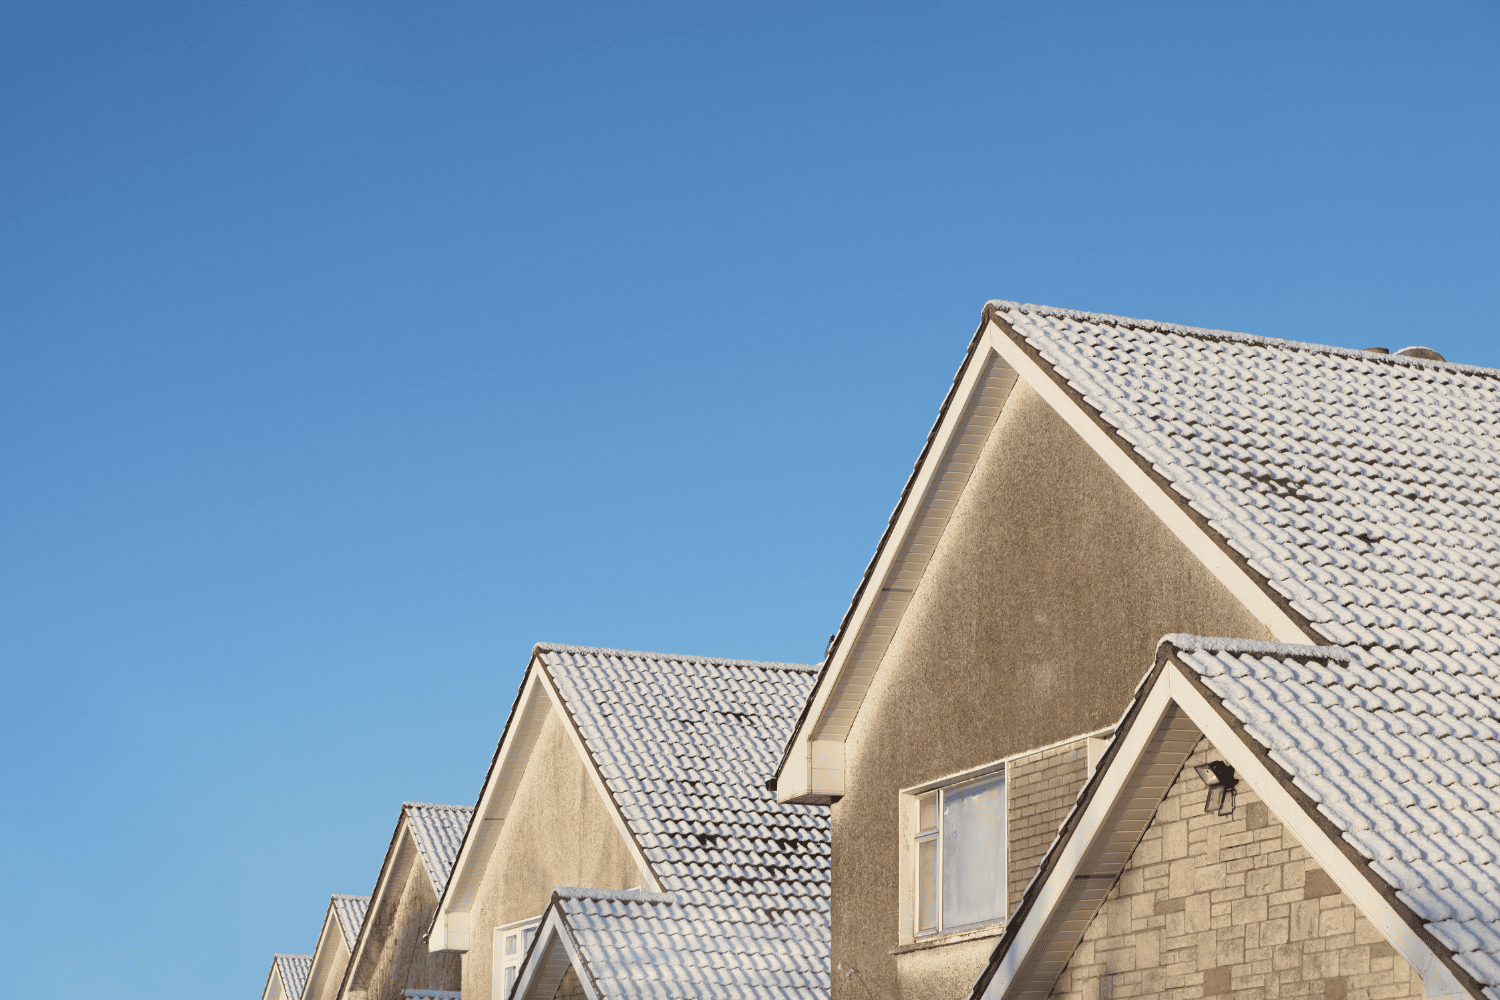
[558,832]
[1036,618]
[1211,905]
[328,969]
[396,956]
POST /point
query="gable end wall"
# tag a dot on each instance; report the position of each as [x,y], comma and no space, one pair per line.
[1210,906]
[1035,619]
[559,832]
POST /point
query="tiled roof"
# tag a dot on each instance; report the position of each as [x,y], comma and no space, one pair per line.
[431,994]
[350,911]
[684,745]
[1401,755]
[439,832]
[1362,487]
[293,970]
[657,946]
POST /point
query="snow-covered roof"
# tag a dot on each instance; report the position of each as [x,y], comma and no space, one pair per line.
[1385,751]
[439,832]
[1360,487]
[688,945]
[1403,757]
[350,913]
[684,745]
[292,970]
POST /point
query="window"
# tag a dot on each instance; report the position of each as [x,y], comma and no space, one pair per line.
[960,856]
[511,943]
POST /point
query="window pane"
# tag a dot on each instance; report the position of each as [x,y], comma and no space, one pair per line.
[530,933]
[974,853]
[510,945]
[926,886]
[510,978]
[928,812]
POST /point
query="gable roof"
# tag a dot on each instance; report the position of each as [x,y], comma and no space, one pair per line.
[631,944]
[1343,496]
[438,832]
[289,974]
[680,747]
[423,831]
[1382,763]
[350,913]
[336,939]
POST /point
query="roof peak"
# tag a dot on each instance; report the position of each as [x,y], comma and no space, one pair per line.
[1004,305]
[556,647]
[436,805]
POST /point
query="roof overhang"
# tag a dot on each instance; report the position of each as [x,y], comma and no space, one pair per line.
[1171,711]
[812,767]
[553,952]
[332,952]
[537,698]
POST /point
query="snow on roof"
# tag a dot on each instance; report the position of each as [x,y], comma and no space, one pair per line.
[439,832]
[684,745]
[293,970]
[1401,755]
[350,912]
[692,946]
[1360,487]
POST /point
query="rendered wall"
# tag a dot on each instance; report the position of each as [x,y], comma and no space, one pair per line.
[1212,905]
[396,956]
[323,983]
[1039,613]
[559,832]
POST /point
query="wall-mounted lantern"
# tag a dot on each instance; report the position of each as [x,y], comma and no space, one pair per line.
[1220,779]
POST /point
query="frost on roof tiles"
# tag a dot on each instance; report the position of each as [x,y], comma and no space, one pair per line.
[439,832]
[684,745]
[350,912]
[293,970]
[1361,488]
[1403,757]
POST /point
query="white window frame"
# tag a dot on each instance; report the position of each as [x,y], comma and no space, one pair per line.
[913,836]
[500,963]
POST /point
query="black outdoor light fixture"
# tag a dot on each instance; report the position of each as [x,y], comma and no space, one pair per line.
[1220,779]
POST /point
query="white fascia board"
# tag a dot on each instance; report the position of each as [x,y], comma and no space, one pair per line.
[1167,507]
[552,934]
[1061,876]
[651,882]
[325,951]
[1354,883]
[814,765]
[450,921]
[404,840]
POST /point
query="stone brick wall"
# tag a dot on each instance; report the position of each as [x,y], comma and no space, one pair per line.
[1215,906]
[1043,788]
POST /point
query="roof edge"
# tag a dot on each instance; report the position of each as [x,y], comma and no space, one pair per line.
[1206,333]
[556,647]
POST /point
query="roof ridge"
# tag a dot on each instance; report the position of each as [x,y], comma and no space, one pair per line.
[1004,305]
[554,647]
[436,805]
[1187,643]
[339,895]
[613,895]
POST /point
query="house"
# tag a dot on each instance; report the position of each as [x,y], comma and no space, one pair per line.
[1346,847]
[336,941]
[288,977]
[389,957]
[1091,484]
[624,841]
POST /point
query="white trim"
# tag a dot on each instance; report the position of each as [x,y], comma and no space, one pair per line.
[1102,735]
[552,934]
[1173,688]
[1163,504]
[1051,893]
[313,989]
[498,961]
[539,697]
[1350,880]
[647,875]
[813,770]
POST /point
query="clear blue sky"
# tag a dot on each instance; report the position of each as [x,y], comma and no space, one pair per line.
[348,350]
